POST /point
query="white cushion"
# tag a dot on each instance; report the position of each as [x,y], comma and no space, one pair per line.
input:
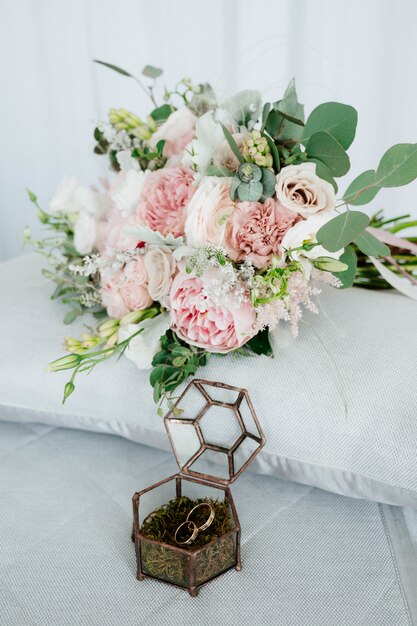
[337,405]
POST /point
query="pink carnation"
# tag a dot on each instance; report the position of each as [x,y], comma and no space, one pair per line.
[126,289]
[216,324]
[256,230]
[164,199]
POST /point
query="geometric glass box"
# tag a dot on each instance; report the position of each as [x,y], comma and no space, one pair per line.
[214,433]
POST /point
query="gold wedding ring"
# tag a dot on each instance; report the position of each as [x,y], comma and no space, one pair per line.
[210,518]
[191,526]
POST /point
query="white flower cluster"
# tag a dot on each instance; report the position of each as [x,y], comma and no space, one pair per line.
[118,139]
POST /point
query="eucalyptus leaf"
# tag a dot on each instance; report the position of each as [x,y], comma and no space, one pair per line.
[268,181]
[250,192]
[323,172]
[354,195]
[370,245]
[216,170]
[398,166]
[351,260]
[115,68]
[290,110]
[234,187]
[338,119]
[249,172]
[162,113]
[342,230]
[325,148]
[152,72]
[71,316]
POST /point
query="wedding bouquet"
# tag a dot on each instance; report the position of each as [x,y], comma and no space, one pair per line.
[220,222]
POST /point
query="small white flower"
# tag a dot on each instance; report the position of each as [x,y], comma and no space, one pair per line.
[209,136]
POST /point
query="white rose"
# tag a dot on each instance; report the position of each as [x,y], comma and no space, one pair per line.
[85,233]
[305,232]
[126,190]
[208,212]
[73,197]
[143,347]
[160,266]
[300,190]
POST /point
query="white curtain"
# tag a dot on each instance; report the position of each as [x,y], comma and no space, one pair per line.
[359,52]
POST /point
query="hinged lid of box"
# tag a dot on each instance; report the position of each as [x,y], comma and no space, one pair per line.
[214,431]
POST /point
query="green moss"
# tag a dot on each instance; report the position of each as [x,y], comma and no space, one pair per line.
[173,566]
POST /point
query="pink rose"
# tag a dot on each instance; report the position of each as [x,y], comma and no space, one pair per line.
[256,230]
[178,131]
[164,199]
[300,190]
[217,324]
[125,289]
[113,233]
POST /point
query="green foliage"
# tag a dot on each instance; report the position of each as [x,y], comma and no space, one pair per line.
[260,344]
[245,107]
[397,167]
[342,230]
[173,364]
[285,121]
[162,113]
[338,120]
[152,72]
[252,183]
[370,245]
[325,148]
[233,145]
[350,259]
[115,68]
[329,264]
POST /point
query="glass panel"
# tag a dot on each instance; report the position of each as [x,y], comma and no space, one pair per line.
[220,426]
[185,441]
[165,563]
[216,558]
[222,395]
[244,452]
[247,418]
[155,498]
[212,463]
[192,403]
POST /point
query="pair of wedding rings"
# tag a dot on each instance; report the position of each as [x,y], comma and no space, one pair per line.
[192,527]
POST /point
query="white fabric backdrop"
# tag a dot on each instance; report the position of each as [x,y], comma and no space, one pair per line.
[362,53]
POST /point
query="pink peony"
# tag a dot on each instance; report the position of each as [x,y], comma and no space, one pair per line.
[177,131]
[256,230]
[125,289]
[164,198]
[217,324]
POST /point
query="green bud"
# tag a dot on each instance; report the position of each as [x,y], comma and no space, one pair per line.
[107,328]
[66,362]
[68,389]
[329,264]
[42,216]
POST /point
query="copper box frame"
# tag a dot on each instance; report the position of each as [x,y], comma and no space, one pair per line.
[207,480]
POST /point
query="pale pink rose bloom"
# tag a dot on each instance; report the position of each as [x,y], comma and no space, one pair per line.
[178,131]
[208,212]
[160,266]
[225,157]
[134,285]
[110,294]
[114,233]
[300,190]
[217,326]
[164,198]
[256,230]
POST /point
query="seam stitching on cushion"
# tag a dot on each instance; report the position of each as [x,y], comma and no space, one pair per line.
[395,564]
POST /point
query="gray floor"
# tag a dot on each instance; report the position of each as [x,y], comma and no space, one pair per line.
[310,558]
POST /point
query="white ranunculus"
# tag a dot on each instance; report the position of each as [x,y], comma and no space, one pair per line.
[300,190]
[126,190]
[160,266]
[208,212]
[209,136]
[144,346]
[85,233]
[73,197]
[305,232]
